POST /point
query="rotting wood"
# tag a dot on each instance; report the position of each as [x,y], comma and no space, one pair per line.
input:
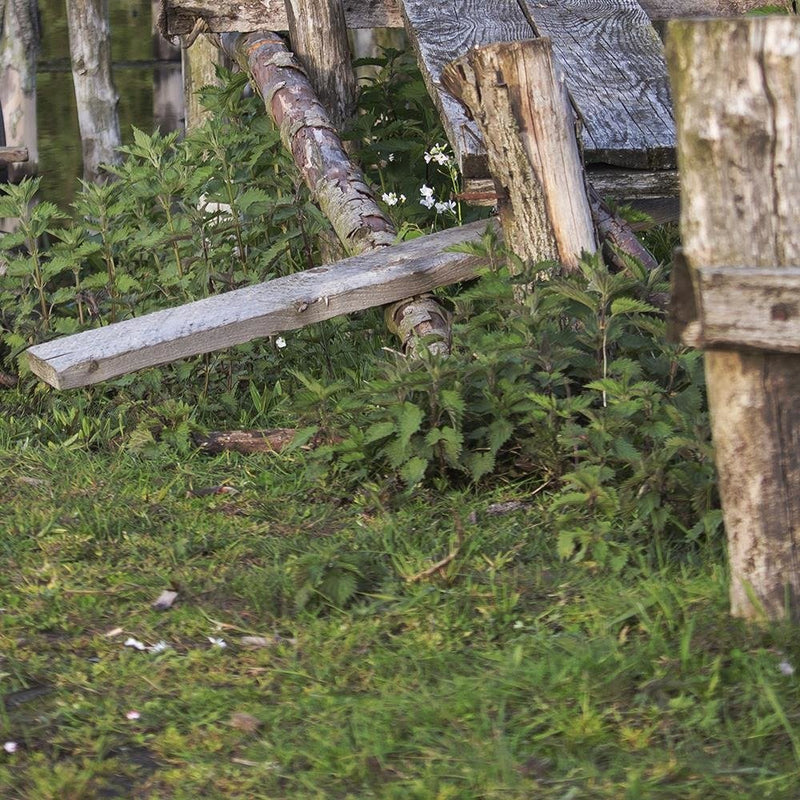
[336,183]
[517,98]
[199,60]
[613,63]
[735,88]
[179,16]
[326,58]
[12,155]
[372,279]
[247,442]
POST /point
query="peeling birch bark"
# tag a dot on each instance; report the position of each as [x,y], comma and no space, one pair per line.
[337,184]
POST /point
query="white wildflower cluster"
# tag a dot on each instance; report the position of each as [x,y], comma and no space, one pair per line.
[392,198]
[428,199]
[438,155]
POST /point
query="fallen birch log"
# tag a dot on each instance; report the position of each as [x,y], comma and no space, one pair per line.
[336,183]
[353,284]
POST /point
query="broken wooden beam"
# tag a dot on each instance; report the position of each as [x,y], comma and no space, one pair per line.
[353,284]
[516,96]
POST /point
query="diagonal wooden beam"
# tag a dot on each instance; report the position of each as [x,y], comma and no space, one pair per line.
[353,284]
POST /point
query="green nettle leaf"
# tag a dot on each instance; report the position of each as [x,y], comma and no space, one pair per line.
[409,420]
[630,305]
[379,430]
[566,543]
[500,431]
[413,471]
[479,465]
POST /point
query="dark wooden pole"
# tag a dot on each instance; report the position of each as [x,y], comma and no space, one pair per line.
[734,83]
[520,104]
[318,34]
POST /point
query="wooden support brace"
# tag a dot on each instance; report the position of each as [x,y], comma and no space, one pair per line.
[734,83]
[318,34]
[372,279]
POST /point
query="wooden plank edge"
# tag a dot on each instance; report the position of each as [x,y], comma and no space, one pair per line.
[251,15]
[283,304]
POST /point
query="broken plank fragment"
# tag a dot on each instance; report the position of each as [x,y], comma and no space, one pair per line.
[353,284]
[12,155]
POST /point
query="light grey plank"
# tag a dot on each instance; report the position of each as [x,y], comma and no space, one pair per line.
[284,304]
[614,66]
[440,33]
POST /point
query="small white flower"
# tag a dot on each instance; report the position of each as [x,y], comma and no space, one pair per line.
[390,198]
[426,191]
[135,643]
[158,647]
[518,624]
[132,714]
[448,205]
[280,343]
[428,202]
[10,747]
[216,642]
[391,156]
[402,198]
[786,668]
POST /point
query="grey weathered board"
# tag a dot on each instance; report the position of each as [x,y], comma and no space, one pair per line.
[254,15]
[609,53]
[440,32]
[382,276]
[614,66]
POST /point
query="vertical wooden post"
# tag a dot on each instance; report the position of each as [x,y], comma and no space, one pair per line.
[318,33]
[19,48]
[735,83]
[520,104]
[90,51]
[199,60]
[168,103]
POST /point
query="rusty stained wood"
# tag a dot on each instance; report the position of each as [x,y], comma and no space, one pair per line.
[734,83]
[353,284]
[179,16]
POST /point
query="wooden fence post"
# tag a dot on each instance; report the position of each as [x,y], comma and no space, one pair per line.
[318,34]
[520,104]
[735,84]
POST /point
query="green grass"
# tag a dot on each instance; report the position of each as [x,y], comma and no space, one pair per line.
[512,674]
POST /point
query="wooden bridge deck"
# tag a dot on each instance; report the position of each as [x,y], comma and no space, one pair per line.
[609,52]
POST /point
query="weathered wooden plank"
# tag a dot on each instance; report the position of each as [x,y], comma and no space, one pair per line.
[441,33]
[253,15]
[284,304]
[11,155]
[221,16]
[613,63]
[749,309]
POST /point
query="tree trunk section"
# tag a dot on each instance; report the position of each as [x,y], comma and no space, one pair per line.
[318,33]
[337,184]
[90,52]
[734,83]
[20,36]
[521,107]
